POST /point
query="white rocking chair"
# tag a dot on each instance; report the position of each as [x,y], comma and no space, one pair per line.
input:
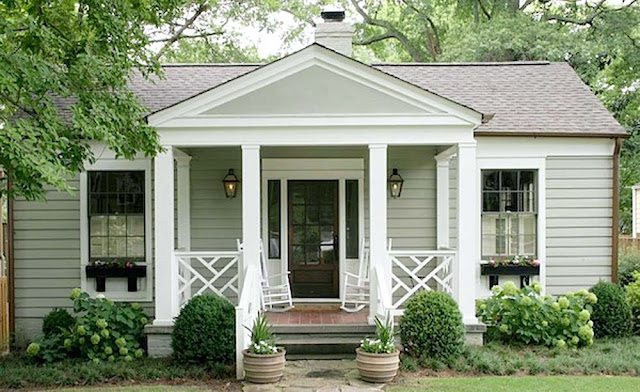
[356,287]
[274,296]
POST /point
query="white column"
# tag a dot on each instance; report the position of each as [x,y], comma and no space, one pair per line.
[250,208]
[442,197]
[468,208]
[166,269]
[183,163]
[378,221]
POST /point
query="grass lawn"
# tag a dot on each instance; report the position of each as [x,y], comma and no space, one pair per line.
[528,383]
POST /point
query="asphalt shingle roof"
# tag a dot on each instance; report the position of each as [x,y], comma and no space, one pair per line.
[515,97]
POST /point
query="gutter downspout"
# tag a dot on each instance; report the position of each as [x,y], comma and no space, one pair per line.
[615,213]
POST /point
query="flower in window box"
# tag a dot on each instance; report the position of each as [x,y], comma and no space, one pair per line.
[535,263]
[492,261]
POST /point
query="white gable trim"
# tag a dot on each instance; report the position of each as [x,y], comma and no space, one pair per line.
[188,112]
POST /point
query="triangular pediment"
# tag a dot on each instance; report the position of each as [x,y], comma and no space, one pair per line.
[315,90]
[313,83]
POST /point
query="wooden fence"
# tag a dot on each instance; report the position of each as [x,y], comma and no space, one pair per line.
[4,314]
[628,242]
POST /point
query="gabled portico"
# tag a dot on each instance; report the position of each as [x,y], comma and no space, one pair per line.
[285,112]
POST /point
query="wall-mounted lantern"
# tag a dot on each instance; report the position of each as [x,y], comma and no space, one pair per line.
[230,184]
[395,182]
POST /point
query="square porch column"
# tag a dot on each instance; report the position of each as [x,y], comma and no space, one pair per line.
[442,198]
[378,224]
[250,209]
[166,269]
[468,209]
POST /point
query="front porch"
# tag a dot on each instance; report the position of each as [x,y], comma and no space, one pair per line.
[413,239]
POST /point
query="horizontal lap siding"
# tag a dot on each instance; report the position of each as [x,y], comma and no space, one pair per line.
[579,211]
[47,257]
[411,219]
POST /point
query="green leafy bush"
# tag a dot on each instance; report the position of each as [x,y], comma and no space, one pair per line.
[103,330]
[205,330]
[57,320]
[524,316]
[633,297]
[612,314]
[628,263]
[432,327]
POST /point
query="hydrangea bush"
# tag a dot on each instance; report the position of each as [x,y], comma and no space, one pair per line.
[526,316]
[103,331]
[384,342]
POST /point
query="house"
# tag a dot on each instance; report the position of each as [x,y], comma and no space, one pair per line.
[495,159]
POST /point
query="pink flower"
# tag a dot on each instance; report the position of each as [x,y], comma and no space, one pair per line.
[535,263]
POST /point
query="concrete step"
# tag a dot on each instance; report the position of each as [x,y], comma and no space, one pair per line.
[321,341]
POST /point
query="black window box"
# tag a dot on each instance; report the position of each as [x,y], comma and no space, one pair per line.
[131,273]
[521,270]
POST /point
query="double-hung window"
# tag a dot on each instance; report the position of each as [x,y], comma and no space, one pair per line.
[116,202]
[509,213]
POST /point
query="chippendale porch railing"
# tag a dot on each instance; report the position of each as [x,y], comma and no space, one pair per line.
[417,270]
[207,271]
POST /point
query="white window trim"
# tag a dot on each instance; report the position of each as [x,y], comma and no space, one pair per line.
[314,169]
[539,164]
[117,165]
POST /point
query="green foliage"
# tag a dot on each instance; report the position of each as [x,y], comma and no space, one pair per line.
[605,356]
[633,297]
[262,338]
[103,331]
[524,316]
[431,327]
[205,331]
[384,342]
[628,263]
[18,371]
[612,314]
[57,320]
[82,52]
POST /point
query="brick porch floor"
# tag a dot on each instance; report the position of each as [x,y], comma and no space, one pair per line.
[312,315]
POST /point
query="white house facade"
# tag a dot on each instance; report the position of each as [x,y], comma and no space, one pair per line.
[497,161]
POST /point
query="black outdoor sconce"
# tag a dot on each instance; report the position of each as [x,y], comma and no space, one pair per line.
[396,182]
[230,184]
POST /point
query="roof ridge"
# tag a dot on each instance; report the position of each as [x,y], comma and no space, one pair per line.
[186,65]
[467,64]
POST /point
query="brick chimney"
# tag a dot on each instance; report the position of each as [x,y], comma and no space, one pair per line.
[334,32]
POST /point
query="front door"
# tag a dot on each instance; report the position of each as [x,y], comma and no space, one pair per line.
[313,238]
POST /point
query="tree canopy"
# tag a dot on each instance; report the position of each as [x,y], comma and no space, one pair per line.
[85,51]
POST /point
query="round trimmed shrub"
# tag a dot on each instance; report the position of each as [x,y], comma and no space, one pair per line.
[611,315]
[431,327]
[56,320]
[205,331]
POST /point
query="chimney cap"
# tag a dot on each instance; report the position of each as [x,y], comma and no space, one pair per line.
[333,14]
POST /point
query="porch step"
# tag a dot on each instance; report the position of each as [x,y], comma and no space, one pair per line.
[321,341]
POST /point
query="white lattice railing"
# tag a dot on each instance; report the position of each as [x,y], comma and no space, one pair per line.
[207,271]
[246,312]
[417,270]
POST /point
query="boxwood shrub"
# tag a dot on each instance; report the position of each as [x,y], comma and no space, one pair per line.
[431,327]
[205,331]
[612,314]
[633,297]
[525,316]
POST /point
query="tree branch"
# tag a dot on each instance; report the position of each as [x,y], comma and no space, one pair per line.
[598,10]
[390,30]
[202,35]
[374,39]
[202,8]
